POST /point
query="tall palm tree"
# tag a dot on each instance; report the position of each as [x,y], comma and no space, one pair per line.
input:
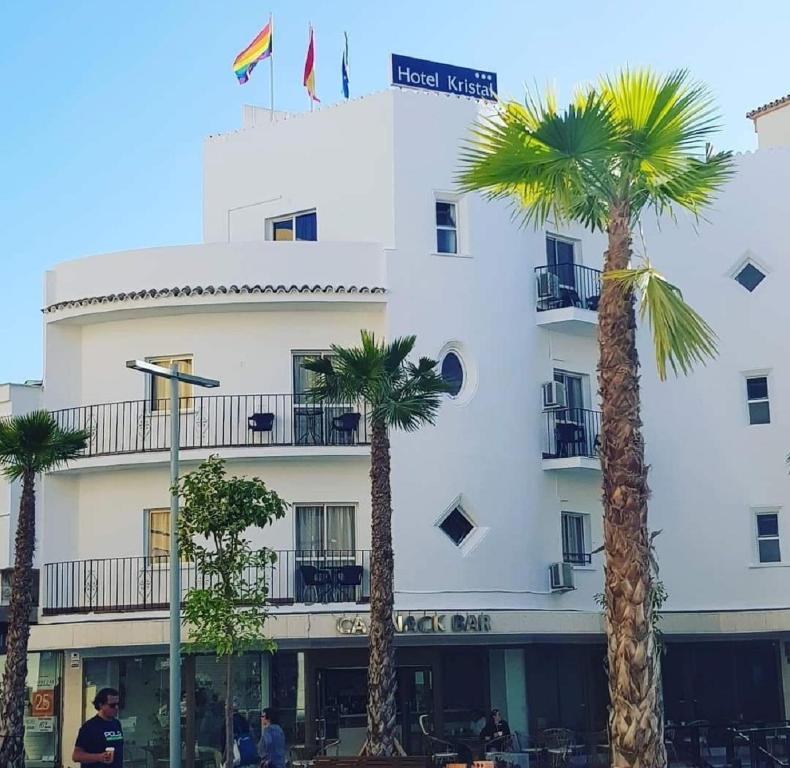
[29,444]
[627,143]
[400,395]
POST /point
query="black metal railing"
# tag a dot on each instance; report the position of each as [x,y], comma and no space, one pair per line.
[127,584]
[217,421]
[572,432]
[567,285]
[577,558]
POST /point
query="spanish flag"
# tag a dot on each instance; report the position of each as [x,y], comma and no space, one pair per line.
[258,50]
[309,71]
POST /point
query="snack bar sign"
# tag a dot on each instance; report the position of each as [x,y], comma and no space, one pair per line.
[443,78]
[435,623]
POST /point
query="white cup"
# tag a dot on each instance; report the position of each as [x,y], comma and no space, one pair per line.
[110,751]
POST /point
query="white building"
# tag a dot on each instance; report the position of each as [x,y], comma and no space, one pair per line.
[504,486]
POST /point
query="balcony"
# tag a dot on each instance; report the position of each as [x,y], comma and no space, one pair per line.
[263,422]
[131,584]
[567,298]
[571,439]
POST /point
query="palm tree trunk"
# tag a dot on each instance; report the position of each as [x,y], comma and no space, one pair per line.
[12,714]
[635,721]
[381,669]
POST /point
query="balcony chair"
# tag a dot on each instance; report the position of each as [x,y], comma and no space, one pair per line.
[346,425]
[349,577]
[592,302]
[569,297]
[261,422]
[571,439]
[317,579]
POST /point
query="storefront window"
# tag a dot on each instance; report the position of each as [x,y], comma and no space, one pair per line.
[288,694]
[465,684]
[42,708]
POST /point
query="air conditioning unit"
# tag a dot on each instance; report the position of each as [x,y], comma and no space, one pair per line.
[548,285]
[561,577]
[554,395]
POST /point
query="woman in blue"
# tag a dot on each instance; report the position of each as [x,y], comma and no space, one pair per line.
[271,747]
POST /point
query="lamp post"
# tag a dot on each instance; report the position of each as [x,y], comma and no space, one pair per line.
[175,376]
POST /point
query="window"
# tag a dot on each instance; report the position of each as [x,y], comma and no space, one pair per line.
[560,257]
[157,533]
[757,398]
[768,537]
[446,227]
[303,380]
[325,528]
[453,373]
[457,526]
[574,538]
[749,276]
[295,226]
[160,388]
[574,392]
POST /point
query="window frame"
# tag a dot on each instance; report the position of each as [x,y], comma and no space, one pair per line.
[150,558]
[586,542]
[576,246]
[465,515]
[757,513]
[447,200]
[324,505]
[185,389]
[759,374]
[292,217]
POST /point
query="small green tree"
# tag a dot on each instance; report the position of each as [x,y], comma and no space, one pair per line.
[229,610]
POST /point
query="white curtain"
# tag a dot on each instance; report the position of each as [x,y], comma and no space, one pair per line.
[573,534]
[340,528]
[310,528]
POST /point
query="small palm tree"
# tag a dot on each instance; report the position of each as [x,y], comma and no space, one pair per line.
[29,444]
[400,395]
[634,141]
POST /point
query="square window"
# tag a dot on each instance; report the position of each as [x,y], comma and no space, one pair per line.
[749,276]
[769,551]
[768,525]
[457,526]
[757,400]
[294,226]
[446,227]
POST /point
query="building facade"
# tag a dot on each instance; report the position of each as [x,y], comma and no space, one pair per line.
[315,227]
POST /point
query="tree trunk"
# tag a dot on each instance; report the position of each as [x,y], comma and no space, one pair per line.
[12,715]
[229,711]
[635,721]
[381,669]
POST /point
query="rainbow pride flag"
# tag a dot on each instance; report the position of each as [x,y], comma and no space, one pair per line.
[258,50]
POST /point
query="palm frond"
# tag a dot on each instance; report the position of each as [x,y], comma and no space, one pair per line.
[681,338]
[551,162]
[33,442]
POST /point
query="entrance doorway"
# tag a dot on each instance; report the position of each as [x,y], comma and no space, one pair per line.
[342,706]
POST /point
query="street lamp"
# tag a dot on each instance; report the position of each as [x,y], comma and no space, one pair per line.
[175,377]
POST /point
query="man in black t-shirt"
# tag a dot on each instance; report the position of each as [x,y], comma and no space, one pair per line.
[100,740]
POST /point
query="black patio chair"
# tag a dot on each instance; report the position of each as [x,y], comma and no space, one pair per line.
[261,422]
[570,439]
[316,579]
[346,425]
[569,297]
[349,578]
[592,302]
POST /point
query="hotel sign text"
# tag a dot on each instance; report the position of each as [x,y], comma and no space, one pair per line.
[435,623]
[444,78]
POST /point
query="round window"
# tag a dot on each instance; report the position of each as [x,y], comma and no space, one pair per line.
[453,373]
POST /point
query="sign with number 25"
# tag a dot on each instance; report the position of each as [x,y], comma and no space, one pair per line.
[43,703]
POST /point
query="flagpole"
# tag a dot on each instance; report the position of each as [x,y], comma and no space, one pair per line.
[271,71]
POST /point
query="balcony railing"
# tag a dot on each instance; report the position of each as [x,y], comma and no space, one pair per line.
[217,421]
[129,584]
[577,558]
[572,432]
[567,285]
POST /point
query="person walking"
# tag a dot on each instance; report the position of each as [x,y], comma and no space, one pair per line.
[271,747]
[100,739]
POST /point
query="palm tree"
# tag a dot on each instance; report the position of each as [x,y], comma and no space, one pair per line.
[630,142]
[29,444]
[400,395]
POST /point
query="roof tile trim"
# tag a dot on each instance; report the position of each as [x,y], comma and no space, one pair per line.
[769,106]
[210,290]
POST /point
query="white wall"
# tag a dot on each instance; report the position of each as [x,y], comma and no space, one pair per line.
[773,128]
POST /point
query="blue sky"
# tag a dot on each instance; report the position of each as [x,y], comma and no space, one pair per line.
[105,104]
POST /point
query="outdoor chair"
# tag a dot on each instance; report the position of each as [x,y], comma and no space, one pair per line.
[556,742]
[592,302]
[570,439]
[569,298]
[317,580]
[346,426]
[442,752]
[261,422]
[349,578]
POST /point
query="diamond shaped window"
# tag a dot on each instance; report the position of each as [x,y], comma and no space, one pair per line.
[749,276]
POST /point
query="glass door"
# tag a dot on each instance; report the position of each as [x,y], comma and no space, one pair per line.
[415,698]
